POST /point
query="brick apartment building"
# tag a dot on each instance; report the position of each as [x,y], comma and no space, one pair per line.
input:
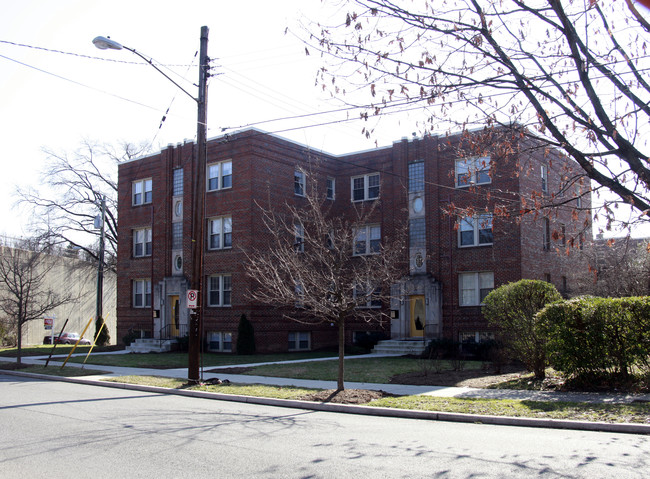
[452,263]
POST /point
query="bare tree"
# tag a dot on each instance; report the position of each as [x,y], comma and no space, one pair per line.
[323,268]
[28,292]
[569,73]
[70,197]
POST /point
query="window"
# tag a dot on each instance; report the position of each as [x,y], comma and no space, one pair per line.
[563,233]
[473,171]
[367,240]
[466,337]
[177,182]
[475,230]
[299,239]
[546,235]
[300,295]
[299,183]
[474,287]
[142,242]
[142,293]
[142,192]
[299,341]
[367,296]
[545,178]
[416,176]
[220,233]
[219,290]
[220,175]
[547,277]
[365,187]
[177,235]
[578,198]
[219,341]
[331,188]
[417,233]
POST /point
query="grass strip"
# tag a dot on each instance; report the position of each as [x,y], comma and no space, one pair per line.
[613,413]
[51,370]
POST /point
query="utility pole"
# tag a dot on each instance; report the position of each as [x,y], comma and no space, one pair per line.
[198,240]
[99,310]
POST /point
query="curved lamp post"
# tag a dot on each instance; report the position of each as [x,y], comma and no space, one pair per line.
[194,353]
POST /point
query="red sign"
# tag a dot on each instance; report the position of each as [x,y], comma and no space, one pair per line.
[192,298]
[48,323]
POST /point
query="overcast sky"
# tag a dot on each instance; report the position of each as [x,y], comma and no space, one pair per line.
[57,89]
[55,99]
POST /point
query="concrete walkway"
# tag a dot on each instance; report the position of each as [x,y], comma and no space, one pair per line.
[212,372]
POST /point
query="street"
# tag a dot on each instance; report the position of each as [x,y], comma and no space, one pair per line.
[60,430]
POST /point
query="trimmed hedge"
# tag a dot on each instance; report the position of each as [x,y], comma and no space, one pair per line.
[512,309]
[587,335]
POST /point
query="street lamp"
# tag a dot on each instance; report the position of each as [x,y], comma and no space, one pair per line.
[105,43]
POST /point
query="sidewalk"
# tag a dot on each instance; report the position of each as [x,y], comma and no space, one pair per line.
[398,389]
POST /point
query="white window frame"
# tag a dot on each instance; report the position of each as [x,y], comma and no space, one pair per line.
[141,296]
[360,291]
[222,339]
[223,289]
[142,237]
[544,175]
[142,192]
[299,183]
[224,226]
[368,190]
[367,234]
[298,338]
[476,225]
[299,237]
[215,171]
[471,169]
[469,287]
[330,188]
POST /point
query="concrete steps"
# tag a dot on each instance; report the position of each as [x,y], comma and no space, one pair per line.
[149,345]
[403,346]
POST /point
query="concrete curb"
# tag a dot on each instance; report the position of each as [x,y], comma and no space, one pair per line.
[624,428]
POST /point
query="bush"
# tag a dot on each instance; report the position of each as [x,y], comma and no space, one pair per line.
[102,337]
[588,336]
[129,337]
[368,339]
[443,348]
[512,309]
[245,336]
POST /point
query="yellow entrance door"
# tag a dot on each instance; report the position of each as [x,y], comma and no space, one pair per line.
[175,318]
[417,316]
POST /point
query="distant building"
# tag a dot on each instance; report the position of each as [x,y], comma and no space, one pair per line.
[78,279]
[453,261]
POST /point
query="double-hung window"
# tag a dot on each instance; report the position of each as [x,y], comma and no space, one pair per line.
[219,175]
[299,237]
[219,290]
[367,297]
[299,183]
[475,230]
[365,187]
[220,233]
[142,192]
[474,287]
[142,242]
[299,341]
[367,240]
[473,171]
[142,293]
[331,188]
[544,174]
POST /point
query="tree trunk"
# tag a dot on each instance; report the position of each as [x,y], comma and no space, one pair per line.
[339,385]
[20,342]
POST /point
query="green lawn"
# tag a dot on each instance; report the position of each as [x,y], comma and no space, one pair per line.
[45,349]
[50,370]
[368,370]
[614,413]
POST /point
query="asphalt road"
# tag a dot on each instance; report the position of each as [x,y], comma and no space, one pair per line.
[61,430]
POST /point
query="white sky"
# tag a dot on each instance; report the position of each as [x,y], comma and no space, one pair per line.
[265,74]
